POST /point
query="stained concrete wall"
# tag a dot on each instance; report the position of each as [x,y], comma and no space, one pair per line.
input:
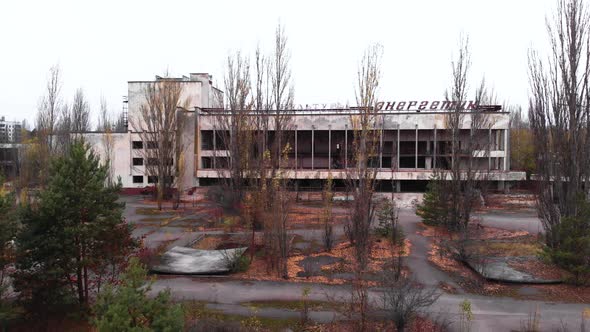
[191,97]
[337,121]
[120,156]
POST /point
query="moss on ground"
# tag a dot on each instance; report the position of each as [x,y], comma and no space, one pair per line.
[507,249]
[198,310]
[296,305]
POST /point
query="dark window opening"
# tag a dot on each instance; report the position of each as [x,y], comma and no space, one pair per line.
[152,179]
[138,179]
[386,162]
[407,162]
[137,144]
[207,162]
[206,140]
[421,162]
[152,162]
[222,162]
[414,186]
[137,161]
[152,145]
[407,148]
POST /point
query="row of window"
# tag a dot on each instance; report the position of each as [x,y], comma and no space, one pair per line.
[139,145]
[151,179]
[150,162]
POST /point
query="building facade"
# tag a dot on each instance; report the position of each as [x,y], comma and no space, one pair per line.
[10,131]
[123,150]
[10,143]
[413,141]
[411,145]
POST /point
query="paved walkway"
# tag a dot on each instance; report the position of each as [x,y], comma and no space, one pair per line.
[421,268]
[491,313]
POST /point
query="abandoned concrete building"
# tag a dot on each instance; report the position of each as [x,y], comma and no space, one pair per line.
[412,142]
[10,143]
[411,145]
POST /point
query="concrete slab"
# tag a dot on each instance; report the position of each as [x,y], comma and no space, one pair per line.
[498,269]
[182,260]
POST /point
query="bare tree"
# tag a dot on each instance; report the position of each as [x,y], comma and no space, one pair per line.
[105,125]
[105,120]
[274,96]
[327,216]
[157,124]
[80,113]
[559,116]
[234,126]
[281,94]
[49,108]
[404,299]
[361,178]
[460,183]
[48,111]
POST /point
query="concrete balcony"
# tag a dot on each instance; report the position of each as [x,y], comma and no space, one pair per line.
[382,174]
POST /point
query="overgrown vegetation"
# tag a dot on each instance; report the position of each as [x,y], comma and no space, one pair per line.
[126,306]
[74,238]
[573,254]
[8,231]
[434,209]
[327,217]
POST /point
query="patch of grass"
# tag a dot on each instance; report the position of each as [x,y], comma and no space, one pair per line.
[508,249]
[297,238]
[152,220]
[296,305]
[207,243]
[149,211]
[198,310]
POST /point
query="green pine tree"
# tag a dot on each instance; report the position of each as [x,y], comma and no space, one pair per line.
[74,235]
[127,306]
[573,253]
[434,209]
[8,229]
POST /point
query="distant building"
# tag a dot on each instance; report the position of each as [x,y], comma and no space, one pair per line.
[10,139]
[413,142]
[127,159]
[10,131]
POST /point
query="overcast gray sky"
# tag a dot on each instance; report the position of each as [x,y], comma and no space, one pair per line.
[100,45]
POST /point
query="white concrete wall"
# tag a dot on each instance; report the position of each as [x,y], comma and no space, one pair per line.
[191,97]
[338,121]
[121,162]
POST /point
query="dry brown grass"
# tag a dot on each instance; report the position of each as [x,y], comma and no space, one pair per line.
[506,249]
[381,255]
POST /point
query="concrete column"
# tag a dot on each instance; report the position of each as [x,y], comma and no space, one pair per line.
[131,155]
[490,149]
[381,150]
[296,165]
[345,146]
[312,146]
[398,142]
[214,147]
[507,149]
[435,146]
[381,145]
[416,151]
[393,147]
[398,186]
[330,147]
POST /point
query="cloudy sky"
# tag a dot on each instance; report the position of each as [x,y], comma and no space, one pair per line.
[100,45]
